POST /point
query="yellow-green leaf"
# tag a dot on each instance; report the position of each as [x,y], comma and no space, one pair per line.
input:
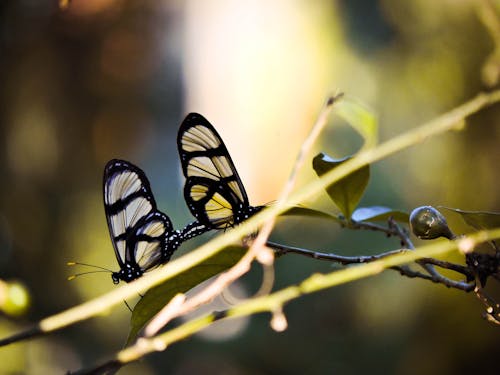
[479,220]
[156,298]
[346,192]
[379,213]
[362,119]
[311,212]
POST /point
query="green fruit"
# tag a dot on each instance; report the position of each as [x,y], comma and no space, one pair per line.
[427,223]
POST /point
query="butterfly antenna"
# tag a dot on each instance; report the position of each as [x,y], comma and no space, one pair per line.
[83,273]
[88,265]
[100,269]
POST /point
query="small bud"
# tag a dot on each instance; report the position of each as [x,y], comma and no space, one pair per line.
[278,321]
[265,256]
[427,223]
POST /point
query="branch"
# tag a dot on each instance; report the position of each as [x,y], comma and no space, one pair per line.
[405,239]
[375,227]
[393,229]
[403,270]
[492,308]
[450,266]
[344,260]
[275,301]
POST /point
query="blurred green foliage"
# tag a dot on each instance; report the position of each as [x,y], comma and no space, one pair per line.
[106,79]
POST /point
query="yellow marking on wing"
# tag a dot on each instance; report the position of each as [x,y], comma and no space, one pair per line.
[198,192]
[219,210]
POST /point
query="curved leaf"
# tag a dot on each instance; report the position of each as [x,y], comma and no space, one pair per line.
[156,298]
[347,192]
[478,219]
[379,213]
[360,118]
[311,212]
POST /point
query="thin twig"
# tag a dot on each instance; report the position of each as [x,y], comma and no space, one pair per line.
[27,334]
[403,270]
[464,270]
[405,238]
[401,233]
[489,17]
[344,260]
[492,308]
[372,226]
[438,279]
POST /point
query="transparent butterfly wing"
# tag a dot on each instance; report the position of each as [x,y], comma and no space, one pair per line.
[139,232]
[213,191]
[147,244]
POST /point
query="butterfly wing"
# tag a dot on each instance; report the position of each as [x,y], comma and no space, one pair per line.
[148,241]
[138,230]
[213,191]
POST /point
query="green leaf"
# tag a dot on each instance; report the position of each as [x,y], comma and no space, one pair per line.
[379,213]
[346,192]
[156,298]
[363,120]
[310,212]
[478,220]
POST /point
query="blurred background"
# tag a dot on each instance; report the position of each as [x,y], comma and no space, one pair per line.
[102,79]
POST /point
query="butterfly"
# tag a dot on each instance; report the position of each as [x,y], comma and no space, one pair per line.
[143,237]
[213,190]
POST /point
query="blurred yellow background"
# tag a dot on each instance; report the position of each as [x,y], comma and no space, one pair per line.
[105,79]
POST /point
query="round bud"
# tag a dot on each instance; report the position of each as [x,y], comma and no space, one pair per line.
[427,223]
